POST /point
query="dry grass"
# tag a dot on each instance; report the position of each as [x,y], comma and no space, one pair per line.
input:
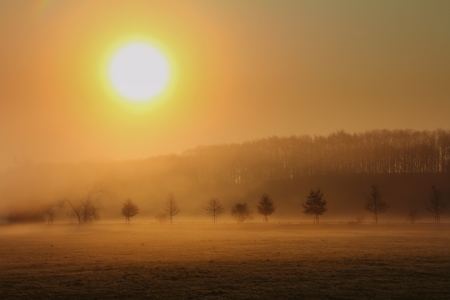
[224,262]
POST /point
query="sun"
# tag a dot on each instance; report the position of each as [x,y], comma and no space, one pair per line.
[138,71]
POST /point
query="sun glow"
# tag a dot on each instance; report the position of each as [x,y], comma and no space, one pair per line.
[139,72]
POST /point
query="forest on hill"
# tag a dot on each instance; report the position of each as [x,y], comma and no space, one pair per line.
[377,151]
[403,163]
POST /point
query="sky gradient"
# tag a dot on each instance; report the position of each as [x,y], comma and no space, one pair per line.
[241,70]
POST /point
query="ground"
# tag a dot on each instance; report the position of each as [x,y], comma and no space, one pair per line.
[228,261]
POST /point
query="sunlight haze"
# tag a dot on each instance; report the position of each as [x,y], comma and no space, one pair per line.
[219,149]
[240,70]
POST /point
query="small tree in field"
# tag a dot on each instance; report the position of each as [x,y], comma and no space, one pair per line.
[412,216]
[375,203]
[161,217]
[214,209]
[315,205]
[241,212]
[86,206]
[436,204]
[265,206]
[129,210]
[50,210]
[86,210]
[171,208]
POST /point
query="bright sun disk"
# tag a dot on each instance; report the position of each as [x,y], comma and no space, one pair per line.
[138,71]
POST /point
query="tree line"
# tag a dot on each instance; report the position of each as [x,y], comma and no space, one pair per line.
[377,151]
[262,161]
[87,209]
[240,211]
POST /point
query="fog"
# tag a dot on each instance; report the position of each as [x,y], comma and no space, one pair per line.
[294,150]
[238,174]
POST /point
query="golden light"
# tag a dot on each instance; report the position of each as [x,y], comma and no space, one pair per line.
[139,71]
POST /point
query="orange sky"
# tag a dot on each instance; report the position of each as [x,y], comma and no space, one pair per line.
[242,70]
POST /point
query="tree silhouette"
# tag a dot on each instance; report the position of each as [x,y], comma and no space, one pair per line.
[265,206]
[214,209]
[50,210]
[375,204]
[129,210]
[241,212]
[161,217]
[412,216]
[86,208]
[171,208]
[76,209]
[315,205]
[375,151]
[50,213]
[91,210]
[436,204]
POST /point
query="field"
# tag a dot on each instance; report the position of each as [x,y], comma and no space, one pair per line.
[227,261]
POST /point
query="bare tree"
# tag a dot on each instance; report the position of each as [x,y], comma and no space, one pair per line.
[161,217]
[171,208]
[129,210]
[86,207]
[315,205]
[375,203]
[436,204]
[86,210]
[214,209]
[412,216]
[90,210]
[241,212]
[265,206]
[50,212]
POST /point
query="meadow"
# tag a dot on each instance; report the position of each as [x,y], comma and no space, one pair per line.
[225,261]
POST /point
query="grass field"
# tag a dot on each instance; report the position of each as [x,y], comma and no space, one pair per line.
[224,262]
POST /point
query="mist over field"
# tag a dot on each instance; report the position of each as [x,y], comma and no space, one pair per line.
[403,164]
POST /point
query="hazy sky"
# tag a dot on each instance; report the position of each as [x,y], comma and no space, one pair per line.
[241,70]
